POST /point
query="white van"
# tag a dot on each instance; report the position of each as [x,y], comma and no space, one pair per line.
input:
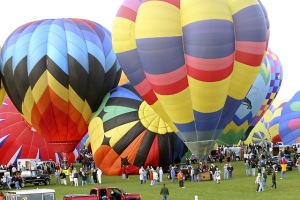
[34,194]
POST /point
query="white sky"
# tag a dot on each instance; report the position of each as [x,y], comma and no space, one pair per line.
[283,15]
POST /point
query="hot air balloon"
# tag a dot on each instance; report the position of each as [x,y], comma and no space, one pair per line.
[258,100]
[271,120]
[2,89]
[56,72]
[289,121]
[192,61]
[18,139]
[126,131]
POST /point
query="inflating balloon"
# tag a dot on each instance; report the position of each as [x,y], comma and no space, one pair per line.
[56,72]
[126,131]
[245,114]
[289,121]
[19,140]
[192,61]
[257,102]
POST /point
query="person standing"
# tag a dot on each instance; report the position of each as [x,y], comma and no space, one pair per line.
[258,180]
[71,177]
[247,166]
[84,179]
[264,178]
[218,175]
[123,171]
[99,175]
[94,176]
[298,163]
[230,170]
[173,174]
[180,179]
[274,179]
[283,170]
[57,177]
[164,192]
[161,173]
[225,171]
[141,173]
[155,177]
[253,167]
[75,177]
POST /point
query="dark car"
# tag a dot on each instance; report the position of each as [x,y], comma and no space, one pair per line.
[35,177]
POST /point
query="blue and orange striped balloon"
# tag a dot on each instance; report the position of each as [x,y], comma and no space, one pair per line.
[56,72]
[193,61]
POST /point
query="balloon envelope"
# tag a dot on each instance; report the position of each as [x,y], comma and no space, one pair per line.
[127,131]
[56,72]
[258,100]
[289,121]
[193,62]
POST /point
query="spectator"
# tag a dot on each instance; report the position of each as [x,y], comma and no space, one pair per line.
[84,179]
[57,177]
[75,177]
[230,170]
[274,179]
[63,178]
[259,183]
[225,171]
[16,180]
[99,174]
[247,166]
[161,173]
[173,174]
[180,179]
[164,192]
[218,175]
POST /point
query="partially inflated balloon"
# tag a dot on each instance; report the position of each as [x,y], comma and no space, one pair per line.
[192,61]
[127,131]
[276,80]
[245,114]
[257,101]
[289,121]
[56,72]
[2,89]
[19,140]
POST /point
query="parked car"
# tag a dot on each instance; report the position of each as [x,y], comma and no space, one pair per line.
[184,168]
[35,177]
[107,193]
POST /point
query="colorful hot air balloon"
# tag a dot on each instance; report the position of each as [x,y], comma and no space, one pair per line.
[126,130]
[289,121]
[245,114]
[258,100]
[276,80]
[192,61]
[2,89]
[56,72]
[18,139]
[271,120]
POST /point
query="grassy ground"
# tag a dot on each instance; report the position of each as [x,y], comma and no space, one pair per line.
[240,187]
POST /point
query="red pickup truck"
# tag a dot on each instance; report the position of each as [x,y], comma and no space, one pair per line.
[104,193]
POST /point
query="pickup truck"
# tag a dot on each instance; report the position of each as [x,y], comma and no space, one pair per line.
[35,177]
[104,193]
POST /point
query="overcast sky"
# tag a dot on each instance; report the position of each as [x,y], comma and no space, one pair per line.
[283,15]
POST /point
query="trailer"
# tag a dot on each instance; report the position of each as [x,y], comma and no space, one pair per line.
[27,164]
[33,194]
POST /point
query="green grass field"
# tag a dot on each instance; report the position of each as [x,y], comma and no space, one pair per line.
[240,187]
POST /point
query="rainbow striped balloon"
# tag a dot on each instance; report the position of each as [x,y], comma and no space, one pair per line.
[193,61]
